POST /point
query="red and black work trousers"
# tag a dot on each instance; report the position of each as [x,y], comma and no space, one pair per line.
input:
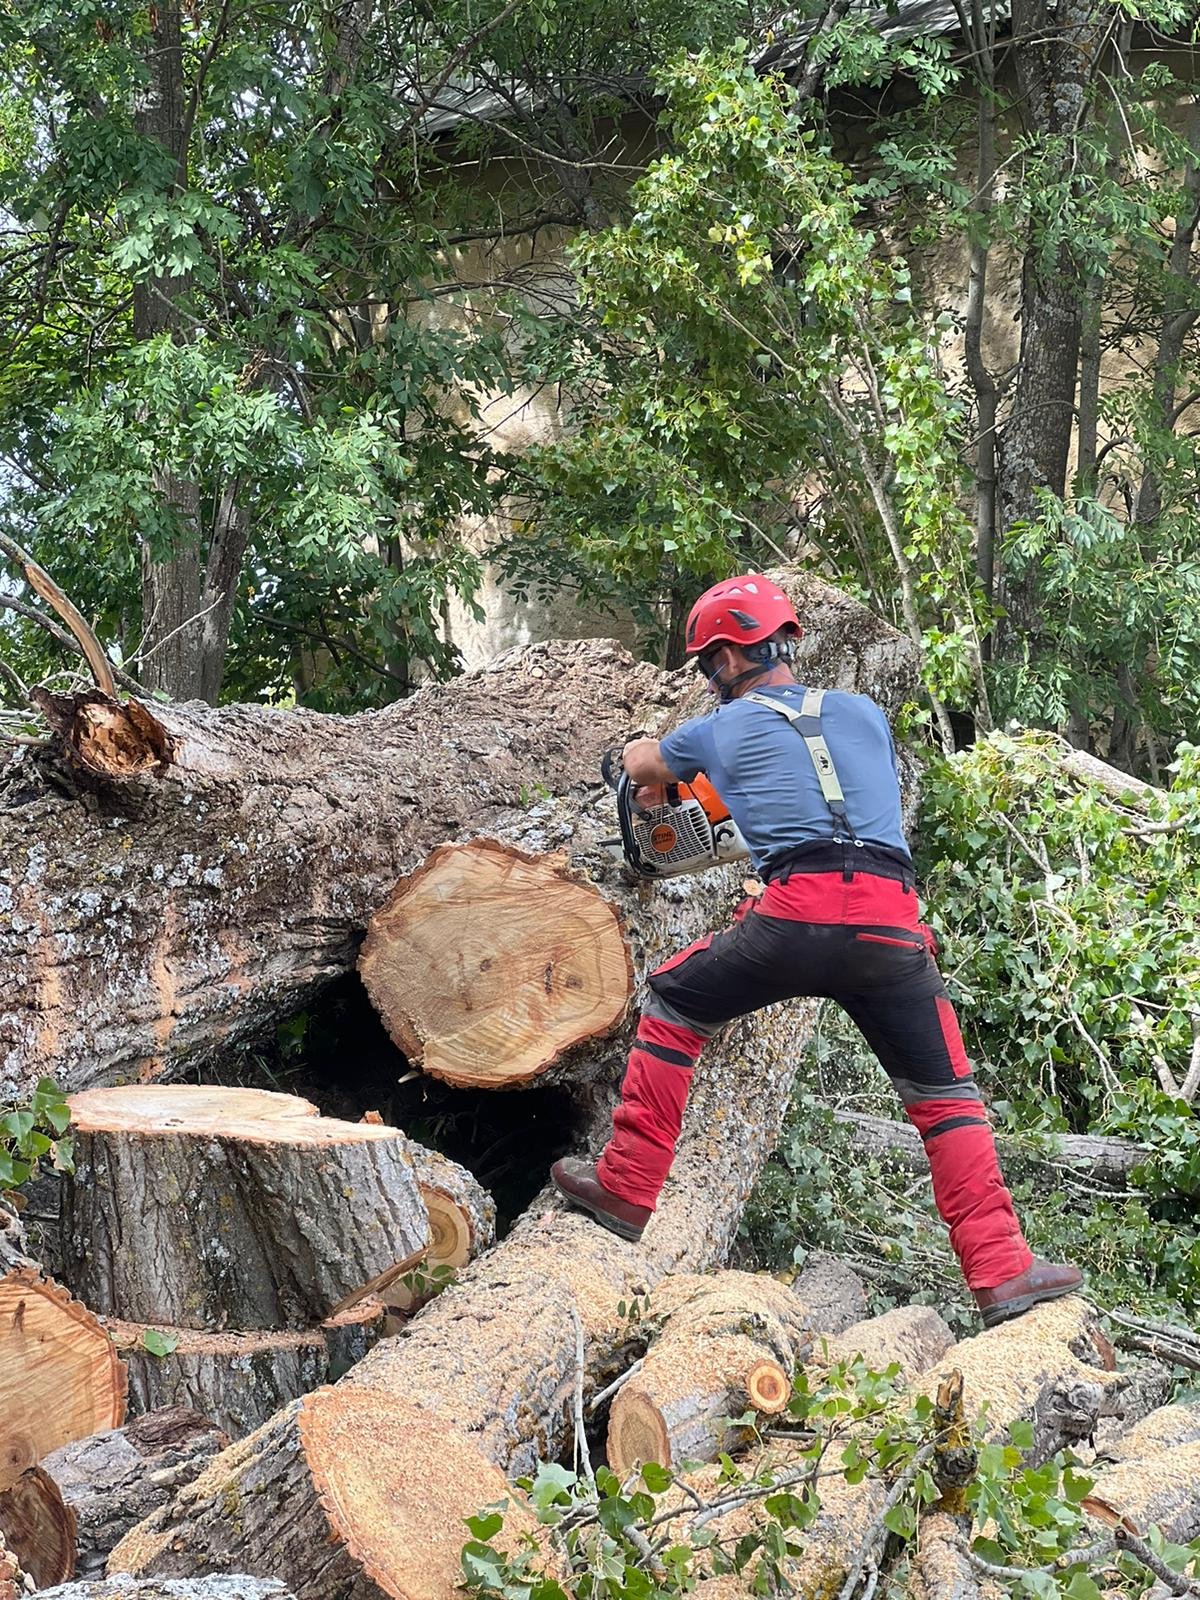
[852,937]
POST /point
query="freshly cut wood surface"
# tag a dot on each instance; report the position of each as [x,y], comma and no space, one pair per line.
[239,1379]
[1159,1430]
[350,1489]
[488,963]
[1157,1490]
[253,1212]
[112,1480]
[729,1343]
[39,1527]
[192,1109]
[494,1355]
[60,1376]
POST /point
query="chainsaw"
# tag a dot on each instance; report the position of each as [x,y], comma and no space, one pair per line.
[669,829]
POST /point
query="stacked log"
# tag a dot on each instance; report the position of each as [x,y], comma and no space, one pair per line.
[1154,1480]
[236,1586]
[111,1480]
[462,1224]
[1052,1367]
[261,1230]
[363,1493]
[253,1212]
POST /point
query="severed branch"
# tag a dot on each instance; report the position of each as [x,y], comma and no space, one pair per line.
[43,584]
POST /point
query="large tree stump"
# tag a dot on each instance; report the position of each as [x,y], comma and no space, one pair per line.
[488,964]
[240,1379]
[247,1211]
[112,1480]
[730,1343]
[354,1491]
[60,1377]
[38,1527]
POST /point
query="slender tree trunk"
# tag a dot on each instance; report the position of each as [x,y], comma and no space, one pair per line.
[977,29]
[1179,315]
[226,553]
[171,580]
[1055,55]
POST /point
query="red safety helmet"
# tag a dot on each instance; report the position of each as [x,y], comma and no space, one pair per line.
[739,611]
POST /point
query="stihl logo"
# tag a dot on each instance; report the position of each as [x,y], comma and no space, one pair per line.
[663,838]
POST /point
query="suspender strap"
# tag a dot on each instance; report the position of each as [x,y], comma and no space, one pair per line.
[807,723]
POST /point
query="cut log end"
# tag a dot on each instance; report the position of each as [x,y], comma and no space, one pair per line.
[769,1388]
[39,1528]
[539,964]
[637,1433]
[449,1230]
[60,1376]
[390,1484]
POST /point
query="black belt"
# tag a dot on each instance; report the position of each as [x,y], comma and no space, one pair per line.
[846,857]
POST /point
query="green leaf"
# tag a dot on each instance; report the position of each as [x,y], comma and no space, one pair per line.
[656,1478]
[159,1343]
[485,1527]
[901,1520]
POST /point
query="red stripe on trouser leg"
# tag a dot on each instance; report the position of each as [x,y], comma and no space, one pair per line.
[646,1124]
[955,1048]
[970,1193]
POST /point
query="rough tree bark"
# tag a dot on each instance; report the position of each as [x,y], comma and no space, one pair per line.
[149,921]
[240,1379]
[251,1212]
[1104,1158]
[60,1377]
[233,1587]
[112,1480]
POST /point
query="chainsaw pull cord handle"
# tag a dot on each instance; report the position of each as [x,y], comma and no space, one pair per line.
[807,723]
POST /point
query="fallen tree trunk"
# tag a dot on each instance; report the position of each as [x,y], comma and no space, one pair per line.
[112,1480]
[252,1212]
[60,1377]
[1102,1158]
[495,1355]
[1156,1431]
[361,1493]
[222,863]
[38,1527]
[729,1344]
[1049,1367]
[1159,1491]
[240,1379]
[914,1338]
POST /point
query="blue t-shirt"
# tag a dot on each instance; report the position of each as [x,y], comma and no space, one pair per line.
[761,768]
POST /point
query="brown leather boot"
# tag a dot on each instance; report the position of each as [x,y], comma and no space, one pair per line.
[577,1181]
[1041,1280]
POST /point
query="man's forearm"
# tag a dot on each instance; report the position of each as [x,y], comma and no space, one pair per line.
[642,760]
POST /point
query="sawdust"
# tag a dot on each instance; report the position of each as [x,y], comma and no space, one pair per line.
[396,1482]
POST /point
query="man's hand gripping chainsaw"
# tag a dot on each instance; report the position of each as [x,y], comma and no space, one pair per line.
[672,828]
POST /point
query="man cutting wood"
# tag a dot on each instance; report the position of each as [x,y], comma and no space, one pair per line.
[809,778]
